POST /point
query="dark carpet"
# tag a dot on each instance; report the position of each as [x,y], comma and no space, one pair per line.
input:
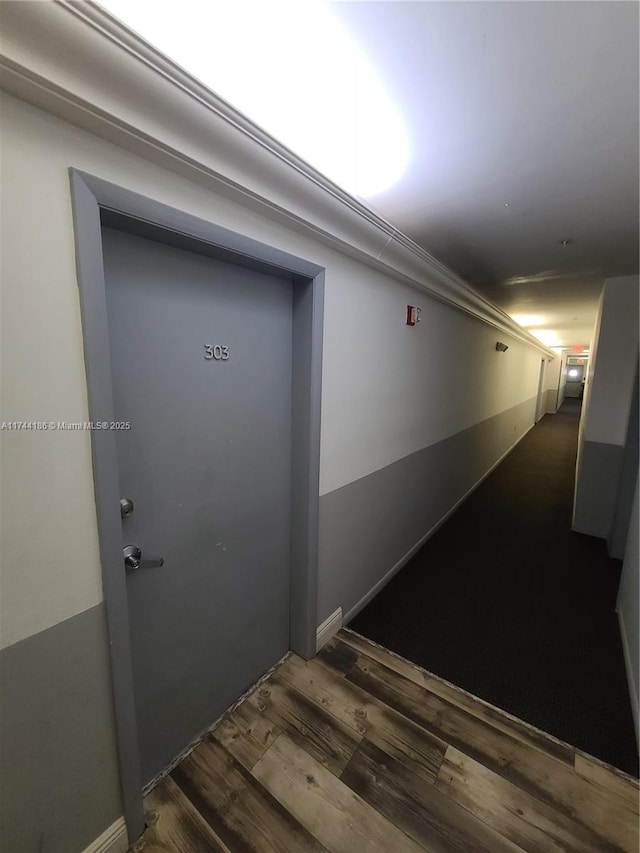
[508,603]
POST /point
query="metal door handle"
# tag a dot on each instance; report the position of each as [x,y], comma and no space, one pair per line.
[133,559]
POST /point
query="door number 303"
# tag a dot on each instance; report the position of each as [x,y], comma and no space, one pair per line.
[216,352]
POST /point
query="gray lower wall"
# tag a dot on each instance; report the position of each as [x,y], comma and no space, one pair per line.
[597,486]
[59,783]
[368,526]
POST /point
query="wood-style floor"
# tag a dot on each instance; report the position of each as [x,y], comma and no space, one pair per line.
[359,750]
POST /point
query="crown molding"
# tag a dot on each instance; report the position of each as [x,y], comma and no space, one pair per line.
[78,62]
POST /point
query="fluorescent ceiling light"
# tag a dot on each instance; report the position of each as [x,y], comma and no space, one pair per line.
[291,67]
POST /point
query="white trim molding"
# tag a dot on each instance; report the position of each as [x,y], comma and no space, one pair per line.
[80,63]
[328,628]
[112,840]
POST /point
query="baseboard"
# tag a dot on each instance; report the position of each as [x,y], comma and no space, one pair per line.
[113,840]
[328,628]
[384,580]
[633,696]
[360,605]
[583,531]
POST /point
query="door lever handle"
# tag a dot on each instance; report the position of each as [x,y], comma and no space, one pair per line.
[133,559]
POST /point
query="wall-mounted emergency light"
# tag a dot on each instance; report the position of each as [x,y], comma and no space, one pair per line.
[500,347]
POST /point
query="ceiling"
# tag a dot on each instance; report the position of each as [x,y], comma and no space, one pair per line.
[515,124]
[523,122]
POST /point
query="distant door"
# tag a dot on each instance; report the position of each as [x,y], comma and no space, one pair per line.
[201,359]
[575,380]
[541,400]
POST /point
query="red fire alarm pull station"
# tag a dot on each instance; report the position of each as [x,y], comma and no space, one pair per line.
[413,315]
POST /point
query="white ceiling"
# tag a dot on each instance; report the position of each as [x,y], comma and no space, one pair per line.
[520,118]
[533,105]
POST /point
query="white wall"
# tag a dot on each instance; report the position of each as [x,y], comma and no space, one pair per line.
[390,389]
[387,389]
[612,362]
[628,611]
[608,395]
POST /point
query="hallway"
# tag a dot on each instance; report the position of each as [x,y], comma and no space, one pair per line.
[508,603]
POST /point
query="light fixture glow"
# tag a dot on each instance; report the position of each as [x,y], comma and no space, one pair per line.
[548,337]
[528,320]
[292,68]
[573,373]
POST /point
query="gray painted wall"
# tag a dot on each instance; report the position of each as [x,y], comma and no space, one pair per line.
[368,527]
[60,784]
[628,609]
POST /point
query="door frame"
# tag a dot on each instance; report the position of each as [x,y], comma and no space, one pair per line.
[541,406]
[96,202]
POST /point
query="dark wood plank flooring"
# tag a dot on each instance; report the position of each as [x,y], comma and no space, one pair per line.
[360,750]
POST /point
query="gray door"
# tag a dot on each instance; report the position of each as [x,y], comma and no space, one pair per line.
[201,356]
